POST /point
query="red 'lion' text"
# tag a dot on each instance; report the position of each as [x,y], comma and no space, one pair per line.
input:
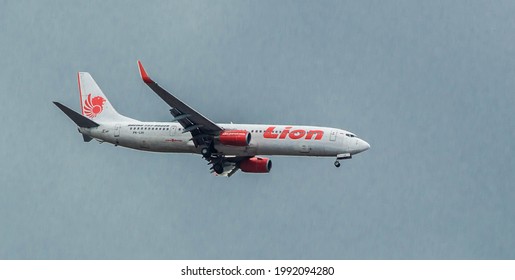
[294,134]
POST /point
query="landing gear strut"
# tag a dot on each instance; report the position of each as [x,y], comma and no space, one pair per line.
[205,152]
[208,150]
[341,156]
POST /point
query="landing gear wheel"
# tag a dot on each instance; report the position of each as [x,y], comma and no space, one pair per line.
[218,168]
[337,163]
[205,152]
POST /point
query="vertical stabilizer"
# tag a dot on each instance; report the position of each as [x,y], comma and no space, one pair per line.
[93,102]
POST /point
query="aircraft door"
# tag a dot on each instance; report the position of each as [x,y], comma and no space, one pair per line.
[173,130]
[332,137]
[117,130]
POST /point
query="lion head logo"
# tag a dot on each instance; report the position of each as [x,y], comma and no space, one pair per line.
[93,106]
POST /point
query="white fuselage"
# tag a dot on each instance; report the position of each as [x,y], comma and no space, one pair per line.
[290,140]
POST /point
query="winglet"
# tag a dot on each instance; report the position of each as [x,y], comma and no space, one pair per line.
[143,74]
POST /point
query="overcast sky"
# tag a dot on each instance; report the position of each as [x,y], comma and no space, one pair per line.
[429,84]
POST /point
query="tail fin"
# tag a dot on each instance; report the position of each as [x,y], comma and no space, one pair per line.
[93,102]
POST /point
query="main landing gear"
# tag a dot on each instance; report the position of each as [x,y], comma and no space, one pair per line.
[218,164]
[208,150]
[218,168]
[210,154]
[205,152]
[337,163]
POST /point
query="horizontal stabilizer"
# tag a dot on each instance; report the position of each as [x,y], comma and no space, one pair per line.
[77,118]
[86,138]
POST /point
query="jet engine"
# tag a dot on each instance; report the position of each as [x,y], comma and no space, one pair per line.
[234,137]
[256,165]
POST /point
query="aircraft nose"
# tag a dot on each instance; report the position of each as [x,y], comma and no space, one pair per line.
[362,145]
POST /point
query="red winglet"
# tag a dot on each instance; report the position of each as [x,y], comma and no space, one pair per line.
[143,74]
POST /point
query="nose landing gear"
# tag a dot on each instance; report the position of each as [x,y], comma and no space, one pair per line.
[341,156]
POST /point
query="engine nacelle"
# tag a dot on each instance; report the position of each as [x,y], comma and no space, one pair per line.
[234,137]
[256,165]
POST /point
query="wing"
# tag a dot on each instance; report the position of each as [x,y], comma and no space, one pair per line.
[202,129]
[192,121]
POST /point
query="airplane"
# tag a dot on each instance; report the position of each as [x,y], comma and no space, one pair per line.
[227,147]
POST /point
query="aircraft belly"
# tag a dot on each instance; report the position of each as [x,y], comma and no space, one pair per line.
[169,144]
[291,148]
[146,142]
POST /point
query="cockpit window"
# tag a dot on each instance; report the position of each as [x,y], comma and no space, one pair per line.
[350,135]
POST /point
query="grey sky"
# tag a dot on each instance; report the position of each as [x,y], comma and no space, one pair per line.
[429,84]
